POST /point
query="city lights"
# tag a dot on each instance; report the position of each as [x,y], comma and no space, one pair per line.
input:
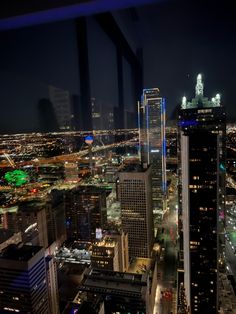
[117,196]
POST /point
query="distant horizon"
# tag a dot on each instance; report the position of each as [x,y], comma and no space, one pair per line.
[173,46]
[170,121]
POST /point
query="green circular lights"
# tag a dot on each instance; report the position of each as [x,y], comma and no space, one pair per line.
[16,177]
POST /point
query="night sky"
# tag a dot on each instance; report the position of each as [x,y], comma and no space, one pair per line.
[179,40]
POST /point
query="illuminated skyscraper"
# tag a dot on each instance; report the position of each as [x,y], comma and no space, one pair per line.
[202,142]
[153,144]
[136,209]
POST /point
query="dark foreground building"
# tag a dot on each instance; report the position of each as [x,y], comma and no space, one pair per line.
[23,283]
[202,142]
[85,211]
[121,292]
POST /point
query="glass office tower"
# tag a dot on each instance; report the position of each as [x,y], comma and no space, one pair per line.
[153,143]
[202,144]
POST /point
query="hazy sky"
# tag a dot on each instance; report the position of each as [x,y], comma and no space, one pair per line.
[179,40]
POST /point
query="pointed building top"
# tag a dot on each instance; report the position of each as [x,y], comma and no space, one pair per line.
[199,101]
[217,99]
[184,103]
[199,86]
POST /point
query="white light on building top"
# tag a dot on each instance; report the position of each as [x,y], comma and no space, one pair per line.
[184,103]
[199,86]
[217,99]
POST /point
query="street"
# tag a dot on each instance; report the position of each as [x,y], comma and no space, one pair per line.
[231,258]
[165,301]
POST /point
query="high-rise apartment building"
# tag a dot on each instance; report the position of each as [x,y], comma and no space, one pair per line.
[153,143]
[135,195]
[202,147]
[23,284]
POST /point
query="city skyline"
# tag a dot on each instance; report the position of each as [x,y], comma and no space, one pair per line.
[35,57]
[117,157]
[60,203]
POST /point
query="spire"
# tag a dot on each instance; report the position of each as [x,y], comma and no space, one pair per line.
[217,99]
[184,103]
[199,86]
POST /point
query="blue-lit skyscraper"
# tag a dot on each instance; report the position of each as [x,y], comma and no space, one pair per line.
[153,143]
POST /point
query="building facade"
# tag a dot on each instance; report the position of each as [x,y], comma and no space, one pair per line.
[202,145]
[105,254]
[85,211]
[23,284]
[29,218]
[52,284]
[135,196]
[123,248]
[153,143]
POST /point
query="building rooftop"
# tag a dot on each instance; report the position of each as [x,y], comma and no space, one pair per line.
[199,101]
[140,265]
[19,252]
[133,168]
[106,242]
[117,282]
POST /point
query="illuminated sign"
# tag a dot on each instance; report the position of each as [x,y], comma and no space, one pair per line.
[98,233]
